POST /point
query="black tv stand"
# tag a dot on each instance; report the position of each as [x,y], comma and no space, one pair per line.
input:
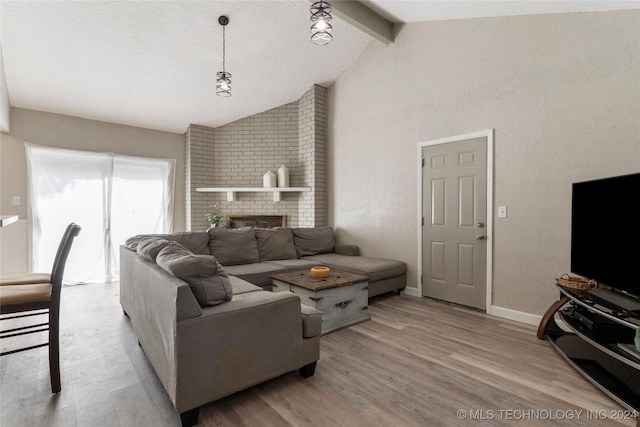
[614,300]
[597,340]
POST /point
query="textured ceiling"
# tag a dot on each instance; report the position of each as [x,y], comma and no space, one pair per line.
[428,10]
[153,63]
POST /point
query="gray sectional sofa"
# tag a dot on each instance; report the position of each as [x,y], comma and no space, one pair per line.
[207,334]
[198,305]
[256,254]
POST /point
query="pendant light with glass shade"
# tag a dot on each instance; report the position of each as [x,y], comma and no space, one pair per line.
[223,83]
[321,23]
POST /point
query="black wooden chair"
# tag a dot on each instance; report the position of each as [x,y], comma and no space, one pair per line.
[30,294]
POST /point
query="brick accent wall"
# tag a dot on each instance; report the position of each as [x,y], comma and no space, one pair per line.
[239,153]
[198,157]
[312,124]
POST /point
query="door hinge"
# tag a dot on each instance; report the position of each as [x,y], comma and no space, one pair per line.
[422,162]
[422,220]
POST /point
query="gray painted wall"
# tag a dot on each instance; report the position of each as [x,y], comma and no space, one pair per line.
[562,92]
[56,130]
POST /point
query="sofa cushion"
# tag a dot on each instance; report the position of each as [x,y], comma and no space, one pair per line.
[375,268]
[275,243]
[293,264]
[313,241]
[207,279]
[233,246]
[196,241]
[241,286]
[311,321]
[150,247]
[258,273]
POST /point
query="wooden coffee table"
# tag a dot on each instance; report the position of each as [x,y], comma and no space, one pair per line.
[342,297]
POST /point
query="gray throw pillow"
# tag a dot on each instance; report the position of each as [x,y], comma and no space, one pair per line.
[313,241]
[233,246]
[196,241]
[207,279]
[133,241]
[275,243]
[150,247]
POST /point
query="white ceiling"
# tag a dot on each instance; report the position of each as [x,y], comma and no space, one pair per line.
[152,64]
[427,10]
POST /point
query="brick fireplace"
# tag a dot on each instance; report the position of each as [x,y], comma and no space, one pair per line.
[239,153]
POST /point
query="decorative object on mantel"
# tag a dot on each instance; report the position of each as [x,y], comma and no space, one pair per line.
[321,23]
[215,219]
[223,83]
[283,176]
[269,180]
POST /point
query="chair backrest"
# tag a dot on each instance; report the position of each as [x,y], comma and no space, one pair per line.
[63,253]
[65,235]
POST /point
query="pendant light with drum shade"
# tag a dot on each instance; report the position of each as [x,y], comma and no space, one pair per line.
[223,83]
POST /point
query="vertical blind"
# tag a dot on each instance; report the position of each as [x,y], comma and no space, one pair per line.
[112,197]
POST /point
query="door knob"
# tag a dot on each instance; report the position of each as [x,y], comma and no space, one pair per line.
[481,237]
[480,225]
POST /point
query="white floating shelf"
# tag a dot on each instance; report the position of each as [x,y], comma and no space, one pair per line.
[231,192]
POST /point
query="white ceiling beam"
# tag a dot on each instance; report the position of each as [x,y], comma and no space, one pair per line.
[363,18]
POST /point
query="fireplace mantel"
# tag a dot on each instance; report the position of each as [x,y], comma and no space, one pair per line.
[231,191]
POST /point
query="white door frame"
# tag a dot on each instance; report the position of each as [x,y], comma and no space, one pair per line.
[481,134]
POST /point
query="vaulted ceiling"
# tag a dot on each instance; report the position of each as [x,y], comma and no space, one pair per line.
[153,64]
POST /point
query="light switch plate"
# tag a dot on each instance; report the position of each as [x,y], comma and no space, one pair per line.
[502,211]
[15,200]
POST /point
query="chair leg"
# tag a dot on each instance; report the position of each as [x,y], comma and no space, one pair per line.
[54,352]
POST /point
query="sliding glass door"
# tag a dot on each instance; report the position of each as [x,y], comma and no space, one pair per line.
[111,197]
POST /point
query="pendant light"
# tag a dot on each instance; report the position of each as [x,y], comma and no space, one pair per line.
[223,83]
[321,23]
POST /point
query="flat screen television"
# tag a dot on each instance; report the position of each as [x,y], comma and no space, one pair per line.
[605,232]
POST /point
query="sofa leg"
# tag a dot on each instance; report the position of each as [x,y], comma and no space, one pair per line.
[308,370]
[190,417]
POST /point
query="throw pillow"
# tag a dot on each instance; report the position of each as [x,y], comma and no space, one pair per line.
[233,246]
[133,241]
[150,247]
[275,243]
[207,279]
[313,241]
[196,241]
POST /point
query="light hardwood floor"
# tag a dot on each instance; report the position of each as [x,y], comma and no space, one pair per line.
[417,362]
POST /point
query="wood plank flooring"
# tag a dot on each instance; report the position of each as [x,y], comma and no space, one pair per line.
[416,363]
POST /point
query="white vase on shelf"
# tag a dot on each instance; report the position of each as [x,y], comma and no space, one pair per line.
[269,180]
[283,176]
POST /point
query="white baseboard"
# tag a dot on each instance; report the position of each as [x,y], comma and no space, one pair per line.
[518,316]
[505,313]
[412,292]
